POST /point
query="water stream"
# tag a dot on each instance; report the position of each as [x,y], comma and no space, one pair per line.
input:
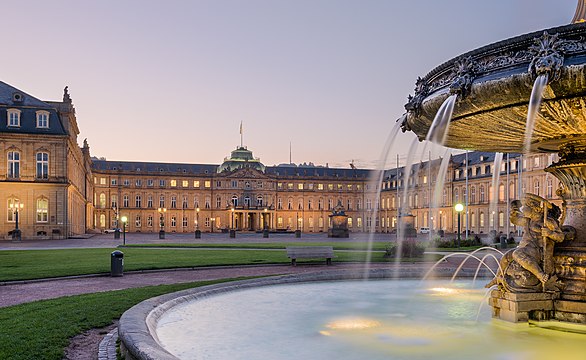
[534,105]
[494,197]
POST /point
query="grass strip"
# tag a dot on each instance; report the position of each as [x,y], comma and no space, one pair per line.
[36,264]
[42,329]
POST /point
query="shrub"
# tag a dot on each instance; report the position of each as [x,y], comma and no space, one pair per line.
[409,249]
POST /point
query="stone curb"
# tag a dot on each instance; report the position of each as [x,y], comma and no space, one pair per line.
[107,347]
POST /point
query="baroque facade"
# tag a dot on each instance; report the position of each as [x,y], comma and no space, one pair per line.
[64,192]
[45,180]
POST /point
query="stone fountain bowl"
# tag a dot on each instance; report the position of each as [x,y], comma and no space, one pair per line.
[494,85]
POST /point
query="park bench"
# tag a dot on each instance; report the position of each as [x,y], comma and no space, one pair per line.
[310,252]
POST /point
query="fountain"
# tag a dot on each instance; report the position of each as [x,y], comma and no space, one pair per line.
[525,94]
[485,96]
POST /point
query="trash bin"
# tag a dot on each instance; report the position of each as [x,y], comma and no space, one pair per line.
[117,263]
[198,234]
[503,240]
[117,234]
[297,233]
[265,233]
[232,233]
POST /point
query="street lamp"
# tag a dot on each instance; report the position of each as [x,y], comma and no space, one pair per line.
[16,235]
[197,231]
[232,222]
[124,221]
[459,208]
[162,211]
[232,229]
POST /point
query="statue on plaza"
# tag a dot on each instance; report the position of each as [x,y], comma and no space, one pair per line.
[529,267]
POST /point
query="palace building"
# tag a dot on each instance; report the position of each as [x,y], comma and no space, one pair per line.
[56,189]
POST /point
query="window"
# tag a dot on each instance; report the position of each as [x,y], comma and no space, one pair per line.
[173,183]
[195,183]
[234,184]
[359,222]
[536,186]
[300,186]
[185,183]
[320,186]
[162,201]
[330,204]
[138,221]
[290,204]
[259,200]
[247,201]
[502,192]
[150,221]
[113,181]
[208,202]
[42,210]
[207,184]
[138,183]
[309,204]
[320,222]
[218,202]
[13,204]
[150,182]
[290,186]
[173,202]
[481,219]
[114,201]
[150,201]
[126,182]
[473,195]
[161,183]
[482,196]
[548,188]
[138,201]
[358,204]
[300,204]
[234,200]
[13,117]
[42,165]
[102,201]
[279,203]
[196,202]
[320,204]
[280,222]
[501,219]
[125,201]
[13,164]
[184,223]
[43,119]
[259,184]
[173,221]
[330,186]
[185,202]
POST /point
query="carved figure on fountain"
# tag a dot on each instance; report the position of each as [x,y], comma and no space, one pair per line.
[465,72]
[530,267]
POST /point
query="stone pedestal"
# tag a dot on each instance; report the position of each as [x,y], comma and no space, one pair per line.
[521,307]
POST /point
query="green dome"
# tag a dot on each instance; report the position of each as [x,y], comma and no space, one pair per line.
[241,158]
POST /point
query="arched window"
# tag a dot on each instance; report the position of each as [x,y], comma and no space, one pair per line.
[456,196]
[501,219]
[472,219]
[259,200]
[472,195]
[502,192]
[234,200]
[102,220]
[481,219]
[247,200]
[482,196]
[549,188]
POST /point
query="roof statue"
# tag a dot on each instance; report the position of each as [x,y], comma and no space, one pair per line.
[66,97]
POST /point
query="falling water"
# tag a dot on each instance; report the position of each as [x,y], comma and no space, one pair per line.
[440,179]
[534,105]
[438,130]
[376,180]
[496,174]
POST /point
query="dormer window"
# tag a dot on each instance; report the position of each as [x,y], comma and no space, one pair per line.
[43,119]
[13,117]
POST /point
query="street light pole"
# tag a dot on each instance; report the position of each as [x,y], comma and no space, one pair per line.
[232,229]
[197,231]
[124,220]
[459,207]
[16,234]
[162,211]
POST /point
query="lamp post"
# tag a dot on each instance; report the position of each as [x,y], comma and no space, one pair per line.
[16,234]
[459,208]
[265,230]
[162,211]
[124,221]
[232,229]
[197,231]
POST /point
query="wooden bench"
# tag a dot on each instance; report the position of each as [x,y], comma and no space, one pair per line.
[310,252]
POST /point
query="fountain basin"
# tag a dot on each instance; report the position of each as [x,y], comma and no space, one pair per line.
[494,85]
[314,317]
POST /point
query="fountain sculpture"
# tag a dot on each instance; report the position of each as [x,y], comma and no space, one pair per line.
[491,91]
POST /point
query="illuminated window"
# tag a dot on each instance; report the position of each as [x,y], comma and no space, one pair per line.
[195,183]
[300,186]
[207,184]
[42,210]
[320,186]
[185,183]
[173,183]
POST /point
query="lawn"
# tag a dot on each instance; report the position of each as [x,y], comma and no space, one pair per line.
[359,246]
[34,264]
[42,329]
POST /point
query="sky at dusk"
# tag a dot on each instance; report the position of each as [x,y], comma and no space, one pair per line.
[171,81]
